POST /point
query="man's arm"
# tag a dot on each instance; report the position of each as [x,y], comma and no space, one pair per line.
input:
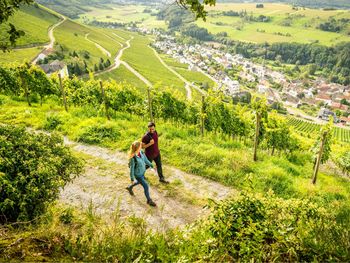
[144,145]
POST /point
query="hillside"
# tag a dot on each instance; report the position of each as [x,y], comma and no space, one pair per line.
[340,4]
[34,21]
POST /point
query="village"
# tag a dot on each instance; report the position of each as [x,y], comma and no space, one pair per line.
[320,99]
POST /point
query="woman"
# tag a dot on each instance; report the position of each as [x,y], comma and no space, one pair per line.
[137,163]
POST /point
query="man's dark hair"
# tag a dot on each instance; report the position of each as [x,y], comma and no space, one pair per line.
[151,124]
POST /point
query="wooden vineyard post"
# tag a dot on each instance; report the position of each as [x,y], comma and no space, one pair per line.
[63,92]
[104,99]
[150,104]
[257,131]
[202,117]
[319,158]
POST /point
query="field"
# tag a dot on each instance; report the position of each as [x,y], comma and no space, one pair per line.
[122,74]
[123,14]
[302,24]
[306,128]
[19,55]
[142,59]
[72,36]
[34,21]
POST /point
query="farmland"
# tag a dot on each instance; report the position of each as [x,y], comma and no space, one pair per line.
[122,74]
[123,14]
[34,21]
[308,128]
[286,25]
[142,58]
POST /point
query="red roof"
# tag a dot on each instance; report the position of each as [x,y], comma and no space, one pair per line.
[323,97]
[339,106]
[345,119]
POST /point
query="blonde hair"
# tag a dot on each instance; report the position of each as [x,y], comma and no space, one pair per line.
[133,148]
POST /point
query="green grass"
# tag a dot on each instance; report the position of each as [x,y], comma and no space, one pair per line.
[19,55]
[122,74]
[143,59]
[212,156]
[123,14]
[72,36]
[278,13]
[34,22]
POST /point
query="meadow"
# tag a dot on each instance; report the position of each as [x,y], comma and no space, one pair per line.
[71,36]
[143,59]
[123,14]
[18,56]
[301,27]
[35,22]
[122,74]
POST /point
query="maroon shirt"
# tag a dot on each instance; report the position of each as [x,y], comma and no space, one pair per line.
[153,150]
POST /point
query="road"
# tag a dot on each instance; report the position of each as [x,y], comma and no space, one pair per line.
[104,51]
[187,83]
[51,37]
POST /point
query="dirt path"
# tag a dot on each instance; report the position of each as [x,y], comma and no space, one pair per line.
[186,82]
[105,51]
[106,176]
[51,37]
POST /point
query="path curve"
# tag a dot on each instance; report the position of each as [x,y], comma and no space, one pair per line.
[118,62]
[187,83]
[104,182]
[105,51]
[51,37]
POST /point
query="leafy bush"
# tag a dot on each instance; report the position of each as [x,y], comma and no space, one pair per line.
[33,168]
[272,229]
[99,133]
[52,122]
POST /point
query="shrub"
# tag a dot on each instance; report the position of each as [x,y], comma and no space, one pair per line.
[33,168]
[52,122]
[99,133]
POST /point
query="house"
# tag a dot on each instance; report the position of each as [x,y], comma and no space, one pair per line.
[339,106]
[344,120]
[325,114]
[324,98]
[55,66]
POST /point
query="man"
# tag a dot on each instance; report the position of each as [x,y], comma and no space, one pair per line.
[150,144]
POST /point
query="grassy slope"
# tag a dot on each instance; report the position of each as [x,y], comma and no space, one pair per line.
[19,55]
[34,22]
[278,12]
[72,36]
[122,74]
[229,162]
[142,58]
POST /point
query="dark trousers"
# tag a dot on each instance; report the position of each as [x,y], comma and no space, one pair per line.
[158,162]
[141,180]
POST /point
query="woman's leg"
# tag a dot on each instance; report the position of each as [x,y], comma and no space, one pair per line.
[144,184]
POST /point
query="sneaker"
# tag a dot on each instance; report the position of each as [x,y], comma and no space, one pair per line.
[162,180]
[151,203]
[131,192]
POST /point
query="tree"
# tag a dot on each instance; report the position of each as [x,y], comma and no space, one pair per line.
[196,6]
[36,167]
[7,9]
